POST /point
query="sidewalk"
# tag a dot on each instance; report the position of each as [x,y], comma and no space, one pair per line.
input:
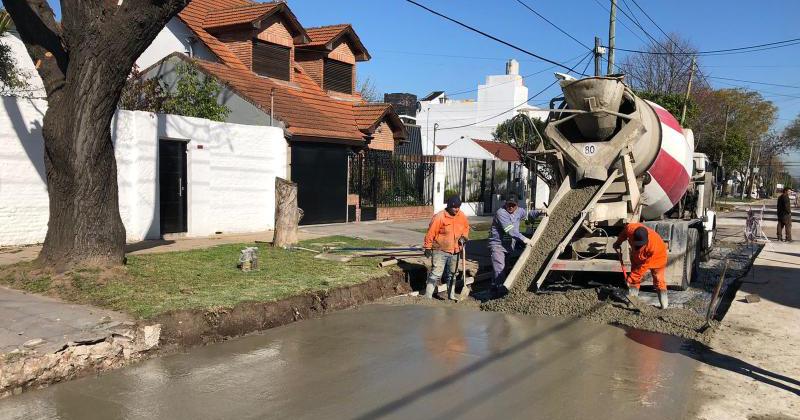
[760,376]
[29,318]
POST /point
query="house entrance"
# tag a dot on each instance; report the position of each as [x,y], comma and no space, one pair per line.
[172,185]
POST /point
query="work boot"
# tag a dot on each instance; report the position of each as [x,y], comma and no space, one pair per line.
[663,298]
[451,290]
[429,288]
[632,291]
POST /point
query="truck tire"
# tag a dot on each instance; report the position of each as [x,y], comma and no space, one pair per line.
[690,259]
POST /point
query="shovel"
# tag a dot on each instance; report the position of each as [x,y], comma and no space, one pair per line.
[465,290]
[631,299]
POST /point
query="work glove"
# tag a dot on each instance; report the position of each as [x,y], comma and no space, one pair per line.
[543,213]
[462,241]
[527,241]
[428,253]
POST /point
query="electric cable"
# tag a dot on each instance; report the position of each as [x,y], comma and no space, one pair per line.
[492,37]
[725,51]
[516,106]
[554,25]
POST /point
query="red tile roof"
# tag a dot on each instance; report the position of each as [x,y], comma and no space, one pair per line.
[237,15]
[324,36]
[501,151]
[302,105]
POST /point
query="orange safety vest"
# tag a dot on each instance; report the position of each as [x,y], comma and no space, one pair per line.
[651,256]
[444,231]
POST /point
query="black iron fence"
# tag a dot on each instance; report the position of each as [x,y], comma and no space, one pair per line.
[382,179]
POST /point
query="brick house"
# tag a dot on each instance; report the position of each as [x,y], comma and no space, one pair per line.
[276,72]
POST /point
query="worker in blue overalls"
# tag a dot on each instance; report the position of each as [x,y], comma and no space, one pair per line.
[504,236]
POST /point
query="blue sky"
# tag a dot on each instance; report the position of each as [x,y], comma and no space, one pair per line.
[414,51]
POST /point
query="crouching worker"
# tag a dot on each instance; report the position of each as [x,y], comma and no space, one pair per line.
[447,234]
[504,237]
[648,252]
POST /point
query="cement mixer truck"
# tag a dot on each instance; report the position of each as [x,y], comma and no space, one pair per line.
[621,159]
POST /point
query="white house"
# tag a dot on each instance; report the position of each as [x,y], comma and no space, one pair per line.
[501,97]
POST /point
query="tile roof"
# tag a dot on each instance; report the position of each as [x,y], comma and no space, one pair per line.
[323,34]
[305,108]
[237,15]
[501,151]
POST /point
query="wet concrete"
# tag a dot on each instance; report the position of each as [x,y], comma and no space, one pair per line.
[394,361]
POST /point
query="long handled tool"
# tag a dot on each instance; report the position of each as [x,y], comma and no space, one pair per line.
[465,289]
[712,304]
[634,302]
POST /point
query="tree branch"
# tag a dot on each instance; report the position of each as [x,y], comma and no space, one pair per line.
[41,34]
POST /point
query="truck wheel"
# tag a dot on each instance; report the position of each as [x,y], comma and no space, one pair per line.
[690,259]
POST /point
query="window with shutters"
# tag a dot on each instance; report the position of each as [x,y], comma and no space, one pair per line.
[271,60]
[338,76]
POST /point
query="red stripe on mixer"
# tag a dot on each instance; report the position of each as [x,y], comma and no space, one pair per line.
[670,175]
[667,119]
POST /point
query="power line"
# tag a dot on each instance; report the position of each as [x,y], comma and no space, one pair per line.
[753,82]
[621,22]
[511,81]
[516,106]
[553,24]
[738,50]
[492,37]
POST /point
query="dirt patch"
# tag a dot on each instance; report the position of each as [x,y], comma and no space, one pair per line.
[193,326]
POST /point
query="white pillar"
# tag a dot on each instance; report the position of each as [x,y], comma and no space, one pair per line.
[439,173]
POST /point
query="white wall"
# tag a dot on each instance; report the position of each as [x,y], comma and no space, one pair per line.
[231,173]
[24,65]
[174,37]
[498,99]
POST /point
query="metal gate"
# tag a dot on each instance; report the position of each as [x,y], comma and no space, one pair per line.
[320,171]
[381,179]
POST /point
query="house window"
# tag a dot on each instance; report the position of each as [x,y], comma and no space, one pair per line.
[271,60]
[338,76]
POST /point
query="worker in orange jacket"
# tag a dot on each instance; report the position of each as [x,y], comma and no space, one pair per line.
[648,252]
[447,234]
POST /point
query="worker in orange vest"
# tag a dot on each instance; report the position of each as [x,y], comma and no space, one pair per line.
[447,235]
[648,252]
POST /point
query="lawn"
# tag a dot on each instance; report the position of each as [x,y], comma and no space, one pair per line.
[151,284]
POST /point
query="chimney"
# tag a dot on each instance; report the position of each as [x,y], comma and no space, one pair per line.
[512,67]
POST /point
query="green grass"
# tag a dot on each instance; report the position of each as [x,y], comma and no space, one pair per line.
[151,284]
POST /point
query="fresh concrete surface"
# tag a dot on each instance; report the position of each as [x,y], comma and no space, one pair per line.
[28,317]
[388,361]
[759,375]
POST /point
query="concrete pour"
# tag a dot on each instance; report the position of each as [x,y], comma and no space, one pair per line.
[586,303]
[387,361]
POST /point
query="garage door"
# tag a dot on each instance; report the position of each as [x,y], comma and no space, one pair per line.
[320,171]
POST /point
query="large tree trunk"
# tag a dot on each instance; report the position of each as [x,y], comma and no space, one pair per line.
[287,215]
[84,226]
[84,61]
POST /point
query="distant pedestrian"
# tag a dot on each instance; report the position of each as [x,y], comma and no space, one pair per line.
[504,236]
[785,215]
[648,252]
[447,234]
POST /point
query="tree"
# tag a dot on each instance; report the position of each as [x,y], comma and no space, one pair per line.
[84,61]
[792,133]
[664,67]
[10,76]
[140,94]
[195,96]
[368,90]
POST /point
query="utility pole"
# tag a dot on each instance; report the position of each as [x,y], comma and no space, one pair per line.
[612,22]
[598,54]
[689,91]
[747,173]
